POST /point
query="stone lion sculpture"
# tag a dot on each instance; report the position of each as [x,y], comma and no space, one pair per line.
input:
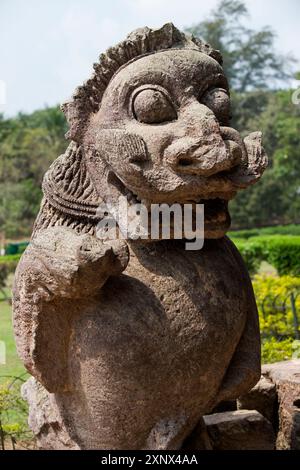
[130,341]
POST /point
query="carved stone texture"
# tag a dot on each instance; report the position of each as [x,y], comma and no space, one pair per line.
[44,418]
[136,339]
[198,439]
[286,377]
[230,405]
[263,398]
[240,430]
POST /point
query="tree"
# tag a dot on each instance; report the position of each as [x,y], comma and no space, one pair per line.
[255,69]
[276,198]
[28,145]
[250,60]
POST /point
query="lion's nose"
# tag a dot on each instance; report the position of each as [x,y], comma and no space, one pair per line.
[201,149]
[203,158]
[205,161]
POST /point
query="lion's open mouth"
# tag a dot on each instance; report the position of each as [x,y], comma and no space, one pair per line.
[216,217]
[216,214]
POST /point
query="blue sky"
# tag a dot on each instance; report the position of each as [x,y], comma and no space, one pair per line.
[48,47]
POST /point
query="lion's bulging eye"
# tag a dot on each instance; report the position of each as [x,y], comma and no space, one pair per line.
[151,106]
[217,99]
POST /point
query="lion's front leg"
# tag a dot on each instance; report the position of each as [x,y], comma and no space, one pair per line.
[58,276]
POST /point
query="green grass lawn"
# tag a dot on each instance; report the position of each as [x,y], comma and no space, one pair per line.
[13,366]
[13,410]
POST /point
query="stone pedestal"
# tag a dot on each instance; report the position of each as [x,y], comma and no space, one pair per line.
[277,397]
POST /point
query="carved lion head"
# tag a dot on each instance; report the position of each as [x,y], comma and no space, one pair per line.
[152,123]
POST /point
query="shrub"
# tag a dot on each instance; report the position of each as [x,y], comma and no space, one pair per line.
[13,416]
[244,234]
[252,253]
[281,251]
[271,292]
[16,248]
[276,325]
[291,229]
[8,263]
[273,350]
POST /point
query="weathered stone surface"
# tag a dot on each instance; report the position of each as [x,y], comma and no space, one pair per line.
[263,398]
[136,339]
[44,418]
[230,405]
[198,439]
[240,430]
[286,377]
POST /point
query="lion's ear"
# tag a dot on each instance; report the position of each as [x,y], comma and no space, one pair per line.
[68,186]
[70,198]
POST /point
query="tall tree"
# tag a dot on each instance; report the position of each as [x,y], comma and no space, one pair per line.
[250,59]
[28,145]
[276,198]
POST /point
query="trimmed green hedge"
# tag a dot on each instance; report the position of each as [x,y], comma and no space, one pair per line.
[16,248]
[281,251]
[291,229]
[252,253]
[9,259]
[8,264]
[273,350]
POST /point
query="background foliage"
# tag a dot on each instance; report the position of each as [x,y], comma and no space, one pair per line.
[256,72]
[14,430]
[261,100]
[276,324]
[281,251]
[28,144]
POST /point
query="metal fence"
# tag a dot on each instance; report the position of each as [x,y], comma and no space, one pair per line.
[283,314]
